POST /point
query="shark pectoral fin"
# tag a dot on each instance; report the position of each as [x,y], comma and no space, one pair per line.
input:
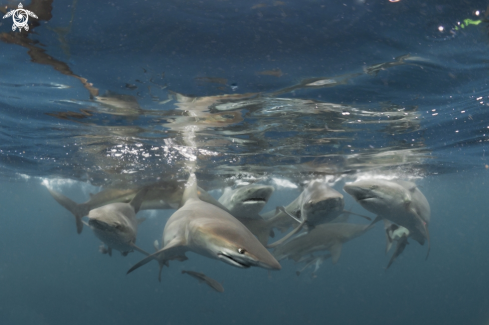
[138,199]
[356,214]
[78,210]
[335,251]
[422,226]
[401,244]
[289,235]
[79,224]
[282,209]
[377,219]
[173,250]
[429,243]
[295,257]
[343,218]
[109,250]
[142,251]
[387,227]
[141,220]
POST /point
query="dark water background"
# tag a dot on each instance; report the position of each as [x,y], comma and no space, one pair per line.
[49,275]
[397,96]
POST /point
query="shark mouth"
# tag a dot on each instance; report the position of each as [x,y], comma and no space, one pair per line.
[255,199]
[230,260]
[99,225]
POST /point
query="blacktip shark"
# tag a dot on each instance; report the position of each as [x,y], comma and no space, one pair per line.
[317,204]
[398,234]
[246,201]
[400,202]
[116,225]
[328,236]
[162,195]
[210,231]
[311,261]
[207,280]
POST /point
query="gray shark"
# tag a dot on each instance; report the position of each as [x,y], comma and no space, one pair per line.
[246,201]
[310,261]
[162,195]
[317,204]
[398,234]
[329,236]
[207,230]
[204,278]
[398,201]
[115,224]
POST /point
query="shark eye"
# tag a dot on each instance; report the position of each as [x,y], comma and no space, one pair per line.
[118,226]
[241,251]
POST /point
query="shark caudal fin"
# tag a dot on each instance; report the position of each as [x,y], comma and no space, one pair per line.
[138,200]
[401,244]
[388,226]
[78,210]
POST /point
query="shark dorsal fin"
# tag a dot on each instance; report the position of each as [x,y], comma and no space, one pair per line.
[335,251]
[190,189]
[138,200]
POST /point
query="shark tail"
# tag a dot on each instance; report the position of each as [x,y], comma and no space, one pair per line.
[78,210]
[401,244]
[388,226]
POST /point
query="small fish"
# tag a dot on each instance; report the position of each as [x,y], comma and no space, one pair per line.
[204,278]
[274,73]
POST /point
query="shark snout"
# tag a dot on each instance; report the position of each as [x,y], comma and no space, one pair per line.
[357,192]
[245,259]
[98,224]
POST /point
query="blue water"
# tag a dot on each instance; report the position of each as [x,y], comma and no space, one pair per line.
[131,92]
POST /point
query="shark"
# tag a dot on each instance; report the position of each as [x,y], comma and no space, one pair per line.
[116,225]
[207,280]
[325,237]
[398,234]
[310,261]
[397,201]
[246,201]
[317,204]
[208,230]
[161,195]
